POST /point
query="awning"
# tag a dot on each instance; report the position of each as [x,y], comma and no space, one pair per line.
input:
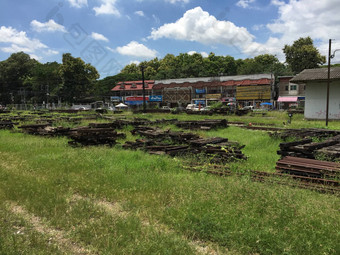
[287,99]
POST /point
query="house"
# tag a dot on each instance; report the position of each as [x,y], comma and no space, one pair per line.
[131,92]
[315,81]
[290,94]
[247,89]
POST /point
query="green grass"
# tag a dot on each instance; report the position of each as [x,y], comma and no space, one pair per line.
[157,207]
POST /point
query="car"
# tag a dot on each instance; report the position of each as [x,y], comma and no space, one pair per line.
[190,107]
[249,107]
[165,108]
[207,108]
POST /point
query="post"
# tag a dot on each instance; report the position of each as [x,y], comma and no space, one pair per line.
[144,104]
[328,80]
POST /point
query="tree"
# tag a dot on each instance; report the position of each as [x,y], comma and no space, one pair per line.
[44,82]
[78,79]
[303,55]
[13,72]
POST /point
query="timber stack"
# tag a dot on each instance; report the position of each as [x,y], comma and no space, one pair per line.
[94,136]
[306,148]
[203,124]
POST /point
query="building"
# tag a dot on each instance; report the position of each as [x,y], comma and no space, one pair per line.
[290,94]
[246,89]
[131,92]
[315,81]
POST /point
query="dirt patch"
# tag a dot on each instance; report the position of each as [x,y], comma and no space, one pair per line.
[116,209]
[56,236]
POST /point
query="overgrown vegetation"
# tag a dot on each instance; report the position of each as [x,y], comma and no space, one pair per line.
[55,199]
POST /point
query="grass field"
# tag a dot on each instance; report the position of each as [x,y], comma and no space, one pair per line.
[55,199]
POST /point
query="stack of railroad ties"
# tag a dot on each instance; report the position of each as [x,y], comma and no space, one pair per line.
[299,159]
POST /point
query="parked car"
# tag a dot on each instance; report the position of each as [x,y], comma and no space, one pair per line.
[191,107]
[249,107]
[167,108]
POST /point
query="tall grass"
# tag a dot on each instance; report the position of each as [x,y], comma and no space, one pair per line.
[163,208]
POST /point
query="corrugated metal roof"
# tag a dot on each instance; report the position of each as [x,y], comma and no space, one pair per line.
[317,74]
[217,78]
[246,77]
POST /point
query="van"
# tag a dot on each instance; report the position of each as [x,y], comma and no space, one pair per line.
[191,107]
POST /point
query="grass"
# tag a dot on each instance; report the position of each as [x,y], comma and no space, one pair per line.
[112,201]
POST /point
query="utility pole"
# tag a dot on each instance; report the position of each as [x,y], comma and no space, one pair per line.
[144,103]
[328,79]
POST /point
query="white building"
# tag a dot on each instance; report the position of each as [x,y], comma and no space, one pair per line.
[315,81]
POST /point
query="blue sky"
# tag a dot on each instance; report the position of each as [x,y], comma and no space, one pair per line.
[112,33]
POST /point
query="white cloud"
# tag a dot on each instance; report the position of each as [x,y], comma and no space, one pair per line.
[51,52]
[19,40]
[197,25]
[15,48]
[78,3]
[99,37]
[140,13]
[110,49]
[319,20]
[245,3]
[107,7]
[50,26]
[203,53]
[136,62]
[137,50]
[178,1]
[277,2]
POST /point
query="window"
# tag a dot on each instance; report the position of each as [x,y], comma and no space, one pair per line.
[133,85]
[292,87]
[287,88]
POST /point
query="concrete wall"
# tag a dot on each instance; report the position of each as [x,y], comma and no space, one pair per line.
[316,93]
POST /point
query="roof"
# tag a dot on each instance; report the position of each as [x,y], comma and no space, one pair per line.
[246,82]
[317,74]
[216,79]
[202,82]
[133,85]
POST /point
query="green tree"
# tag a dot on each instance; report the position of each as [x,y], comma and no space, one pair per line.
[303,55]
[78,79]
[13,72]
[44,82]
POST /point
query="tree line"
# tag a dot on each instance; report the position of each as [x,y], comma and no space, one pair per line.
[25,80]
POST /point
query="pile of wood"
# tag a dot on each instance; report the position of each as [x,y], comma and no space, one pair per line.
[179,143]
[311,172]
[202,124]
[161,135]
[306,148]
[155,147]
[94,136]
[306,133]
[6,125]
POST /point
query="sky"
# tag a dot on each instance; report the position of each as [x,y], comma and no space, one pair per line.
[110,34]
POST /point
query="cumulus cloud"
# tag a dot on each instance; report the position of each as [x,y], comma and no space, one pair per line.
[78,3]
[110,49]
[99,37]
[19,40]
[137,50]
[178,1]
[245,3]
[203,53]
[49,26]
[107,7]
[140,13]
[199,26]
[51,52]
[301,19]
